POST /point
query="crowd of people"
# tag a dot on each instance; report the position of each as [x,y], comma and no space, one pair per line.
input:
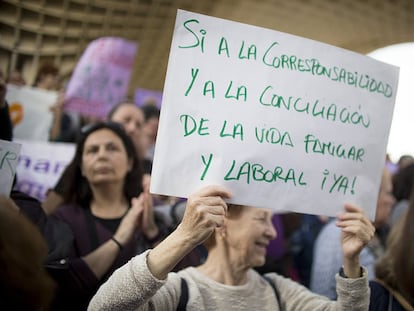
[101,241]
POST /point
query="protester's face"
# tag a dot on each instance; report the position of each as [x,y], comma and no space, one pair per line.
[404,162]
[104,158]
[249,235]
[49,81]
[132,119]
[385,201]
[151,127]
[16,78]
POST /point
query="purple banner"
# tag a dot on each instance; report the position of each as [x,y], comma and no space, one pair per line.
[145,96]
[100,79]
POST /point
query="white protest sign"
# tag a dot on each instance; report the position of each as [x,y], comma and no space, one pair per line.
[9,153]
[40,166]
[30,111]
[283,122]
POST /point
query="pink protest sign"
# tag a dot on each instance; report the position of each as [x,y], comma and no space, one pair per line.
[100,79]
[145,96]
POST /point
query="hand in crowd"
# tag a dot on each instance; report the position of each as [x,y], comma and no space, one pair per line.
[131,221]
[205,211]
[357,231]
[57,108]
[147,223]
[146,182]
[139,217]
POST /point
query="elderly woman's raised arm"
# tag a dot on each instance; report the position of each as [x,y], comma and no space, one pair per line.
[132,285]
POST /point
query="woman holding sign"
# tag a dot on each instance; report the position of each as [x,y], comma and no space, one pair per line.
[236,238]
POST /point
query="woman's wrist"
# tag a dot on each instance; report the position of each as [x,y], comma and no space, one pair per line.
[176,246]
[344,275]
[120,246]
[351,268]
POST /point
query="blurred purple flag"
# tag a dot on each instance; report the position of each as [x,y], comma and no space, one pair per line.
[100,79]
[145,96]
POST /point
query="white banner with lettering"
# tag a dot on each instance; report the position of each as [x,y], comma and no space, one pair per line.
[9,154]
[40,165]
[284,122]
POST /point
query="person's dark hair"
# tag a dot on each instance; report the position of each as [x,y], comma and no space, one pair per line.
[150,111]
[24,282]
[117,106]
[76,188]
[396,267]
[403,183]
[405,157]
[404,254]
[45,69]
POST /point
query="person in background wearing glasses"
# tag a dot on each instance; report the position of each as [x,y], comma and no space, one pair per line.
[109,213]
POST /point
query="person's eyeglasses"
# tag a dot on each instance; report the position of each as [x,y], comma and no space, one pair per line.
[91,127]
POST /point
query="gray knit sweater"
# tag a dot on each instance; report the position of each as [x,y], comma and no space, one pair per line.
[133,287]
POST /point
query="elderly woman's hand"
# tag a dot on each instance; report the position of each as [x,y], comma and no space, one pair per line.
[357,231]
[204,212]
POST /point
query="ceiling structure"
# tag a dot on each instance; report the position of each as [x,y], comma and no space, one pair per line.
[33,31]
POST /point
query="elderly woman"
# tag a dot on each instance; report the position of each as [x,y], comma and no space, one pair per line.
[104,205]
[236,238]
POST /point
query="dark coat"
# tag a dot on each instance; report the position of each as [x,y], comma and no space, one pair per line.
[79,283]
[382,300]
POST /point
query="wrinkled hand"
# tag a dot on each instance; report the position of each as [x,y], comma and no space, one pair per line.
[204,212]
[130,222]
[357,231]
